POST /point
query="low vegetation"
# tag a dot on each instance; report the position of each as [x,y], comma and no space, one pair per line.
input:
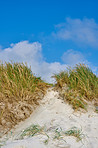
[34,130]
[58,133]
[37,130]
[20,92]
[31,131]
[75,132]
[78,85]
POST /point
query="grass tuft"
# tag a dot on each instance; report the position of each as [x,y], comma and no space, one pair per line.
[31,131]
[82,85]
[34,130]
[75,132]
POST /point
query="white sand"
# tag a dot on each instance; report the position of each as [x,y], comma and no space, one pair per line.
[53,113]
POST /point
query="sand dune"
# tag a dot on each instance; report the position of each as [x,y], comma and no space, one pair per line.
[56,117]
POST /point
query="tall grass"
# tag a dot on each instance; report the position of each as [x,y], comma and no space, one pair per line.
[17,80]
[82,83]
[20,91]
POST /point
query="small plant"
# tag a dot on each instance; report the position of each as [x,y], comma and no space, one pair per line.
[58,133]
[31,131]
[47,140]
[74,132]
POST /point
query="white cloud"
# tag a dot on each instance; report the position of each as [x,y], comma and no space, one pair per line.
[80,31]
[72,57]
[32,54]
[48,69]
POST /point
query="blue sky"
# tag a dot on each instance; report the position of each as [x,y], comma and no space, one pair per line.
[49,34]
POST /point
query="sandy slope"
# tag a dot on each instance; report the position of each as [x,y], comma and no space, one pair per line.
[54,114]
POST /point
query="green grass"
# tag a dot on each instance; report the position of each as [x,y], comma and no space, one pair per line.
[31,131]
[82,85]
[59,134]
[17,80]
[34,130]
[75,132]
[20,90]
[37,130]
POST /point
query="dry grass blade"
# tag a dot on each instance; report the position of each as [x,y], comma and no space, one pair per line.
[20,92]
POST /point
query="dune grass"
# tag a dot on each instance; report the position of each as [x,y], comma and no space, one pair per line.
[81,83]
[31,131]
[20,91]
[58,133]
[74,131]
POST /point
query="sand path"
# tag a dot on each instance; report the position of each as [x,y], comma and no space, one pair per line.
[57,116]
